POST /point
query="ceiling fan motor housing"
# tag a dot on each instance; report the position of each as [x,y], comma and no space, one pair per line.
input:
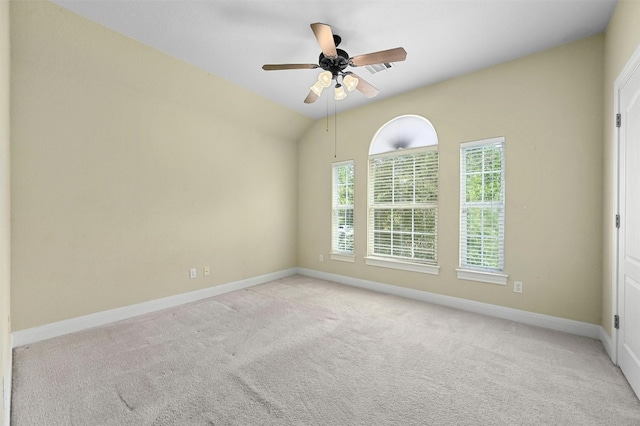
[335,65]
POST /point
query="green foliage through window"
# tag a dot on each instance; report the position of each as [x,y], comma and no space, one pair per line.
[482,205]
[343,200]
[403,205]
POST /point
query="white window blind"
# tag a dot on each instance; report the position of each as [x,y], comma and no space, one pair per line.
[482,205]
[403,205]
[342,221]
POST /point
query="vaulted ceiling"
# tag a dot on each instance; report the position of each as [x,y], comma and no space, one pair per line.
[443,38]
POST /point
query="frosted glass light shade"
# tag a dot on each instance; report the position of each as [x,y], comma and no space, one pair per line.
[317,88]
[340,93]
[350,82]
[325,78]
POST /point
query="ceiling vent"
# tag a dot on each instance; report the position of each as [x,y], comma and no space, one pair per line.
[375,68]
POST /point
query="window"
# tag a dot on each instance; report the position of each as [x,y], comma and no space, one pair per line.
[342,221]
[403,196]
[482,211]
[403,209]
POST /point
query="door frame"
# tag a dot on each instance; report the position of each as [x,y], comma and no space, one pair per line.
[630,67]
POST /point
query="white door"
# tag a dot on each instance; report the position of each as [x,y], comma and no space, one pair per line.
[629,233]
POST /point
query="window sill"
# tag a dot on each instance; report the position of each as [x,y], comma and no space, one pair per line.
[343,257]
[481,276]
[405,266]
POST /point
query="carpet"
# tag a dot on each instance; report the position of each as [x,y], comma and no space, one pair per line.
[302,351]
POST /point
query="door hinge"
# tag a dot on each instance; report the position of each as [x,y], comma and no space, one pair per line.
[616,322]
[618,120]
[617,221]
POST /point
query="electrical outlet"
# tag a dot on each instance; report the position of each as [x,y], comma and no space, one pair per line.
[206,271]
[321,258]
[517,286]
[192,273]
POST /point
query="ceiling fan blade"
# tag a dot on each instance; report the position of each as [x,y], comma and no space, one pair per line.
[324,35]
[278,67]
[311,98]
[365,88]
[392,55]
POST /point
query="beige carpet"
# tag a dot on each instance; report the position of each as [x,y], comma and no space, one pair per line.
[301,351]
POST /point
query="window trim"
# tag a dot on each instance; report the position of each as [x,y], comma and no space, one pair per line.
[335,253]
[385,262]
[482,276]
[342,257]
[466,272]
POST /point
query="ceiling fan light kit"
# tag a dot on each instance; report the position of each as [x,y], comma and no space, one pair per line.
[334,61]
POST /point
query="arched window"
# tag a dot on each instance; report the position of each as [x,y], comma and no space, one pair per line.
[403,196]
[404,132]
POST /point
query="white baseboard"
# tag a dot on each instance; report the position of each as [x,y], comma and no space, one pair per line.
[607,342]
[530,318]
[48,331]
[7,386]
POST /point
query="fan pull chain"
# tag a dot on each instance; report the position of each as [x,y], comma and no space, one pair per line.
[327,114]
[335,128]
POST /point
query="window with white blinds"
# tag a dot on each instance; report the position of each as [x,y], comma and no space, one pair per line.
[403,206]
[482,205]
[342,221]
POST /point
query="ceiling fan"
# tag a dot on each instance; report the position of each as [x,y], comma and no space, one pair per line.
[334,61]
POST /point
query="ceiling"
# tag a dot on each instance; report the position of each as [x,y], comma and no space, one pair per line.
[443,38]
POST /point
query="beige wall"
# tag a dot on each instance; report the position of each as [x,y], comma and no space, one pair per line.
[130,167]
[5,326]
[549,108]
[621,41]
[123,178]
